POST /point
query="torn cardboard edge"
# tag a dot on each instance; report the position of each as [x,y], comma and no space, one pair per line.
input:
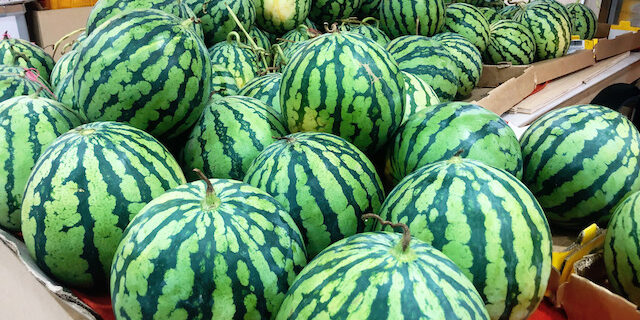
[64,295]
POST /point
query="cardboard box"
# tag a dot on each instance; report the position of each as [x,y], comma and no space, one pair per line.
[48,26]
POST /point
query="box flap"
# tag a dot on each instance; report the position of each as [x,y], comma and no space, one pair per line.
[508,94]
[606,48]
[495,75]
[556,68]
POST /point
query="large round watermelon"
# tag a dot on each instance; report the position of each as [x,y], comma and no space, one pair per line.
[18,81]
[584,22]
[156,81]
[22,53]
[233,66]
[469,22]
[28,124]
[580,162]
[230,134]
[221,250]
[510,42]
[487,222]
[325,182]
[386,279]
[411,17]
[468,59]
[345,84]
[430,61]
[621,245]
[216,20]
[278,17]
[550,27]
[266,89]
[83,191]
[418,95]
[63,66]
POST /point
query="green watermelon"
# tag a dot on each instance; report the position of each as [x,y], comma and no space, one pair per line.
[216,20]
[510,42]
[491,14]
[455,128]
[487,222]
[22,53]
[64,93]
[554,4]
[345,84]
[278,17]
[510,11]
[580,162]
[550,28]
[382,275]
[28,124]
[266,89]
[370,8]
[418,95]
[430,61]
[156,81]
[220,250]
[468,21]
[405,17]
[300,33]
[333,10]
[63,66]
[368,27]
[233,64]
[282,57]
[230,134]
[584,21]
[467,58]
[323,181]
[260,38]
[482,3]
[83,191]
[621,248]
[18,81]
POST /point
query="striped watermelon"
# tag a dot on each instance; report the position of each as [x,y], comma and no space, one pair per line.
[467,58]
[580,162]
[510,42]
[230,134]
[405,17]
[266,89]
[282,57]
[233,65]
[28,124]
[448,129]
[18,81]
[323,181]
[345,84]
[621,248]
[172,73]
[491,14]
[370,8]
[487,222]
[550,28]
[224,250]
[584,21]
[216,20]
[278,17]
[418,95]
[333,10]
[64,93]
[469,22]
[429,61]
[554,4]
[510,11]
[82,193]
[375,276]
[260,38]
[369,28]
[63,66]
[300,33]
[483,3]
[21,53]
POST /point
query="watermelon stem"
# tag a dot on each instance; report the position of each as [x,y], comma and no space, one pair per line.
[211,200]
[334,27]
[289,139]
[279,52]
[458,153]
[406,234]
[256,49]
[65,37]
[417,26]
[367,19]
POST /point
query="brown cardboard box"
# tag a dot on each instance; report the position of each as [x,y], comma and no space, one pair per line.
[48,26]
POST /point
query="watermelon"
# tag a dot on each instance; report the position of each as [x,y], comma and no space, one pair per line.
[490,14]
[487,222]
[260,38]
[18,81]
[510,42]
[233,66]
[554,4]
[430,61]
[510,11]
[580,162]
[333,10]
[467,58]
[216,20]
[281,56]
[278,17]
[456,128]
[220,250]
[104,10]
[468,21]
[301,33]
[621,248]
[583,21]
[323,181]
[64,93]
[230,134]
[345,84]
[63,66]
[266,89]
[368,27]
[482,3]
[370,8]
[172,73]
[22,53]
[382,275]
[550,28]
[82,193]
[28,124]
[411,17]
[418,95]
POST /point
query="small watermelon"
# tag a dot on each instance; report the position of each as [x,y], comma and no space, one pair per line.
[220,250]
[510,42]
[580,162]
[468,21]
[266,89]
[468,59]
[583,21]
[18,81]
[490,14]
[215,18]
[333,10]
[278,17]
[550,28]
[233,65]
[411,17]
[230,134]
[63,66]
[21,53]
[28,124]
[82,193]
[419,95]
[428,60]
[389,276]
[345,84]
[487,222]
[323,181]
[369,28]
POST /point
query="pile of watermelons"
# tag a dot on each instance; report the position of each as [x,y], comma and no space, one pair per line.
[321,135]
